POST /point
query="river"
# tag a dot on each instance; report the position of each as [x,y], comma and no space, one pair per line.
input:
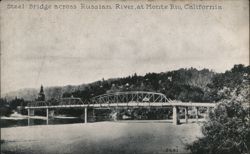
[11,122]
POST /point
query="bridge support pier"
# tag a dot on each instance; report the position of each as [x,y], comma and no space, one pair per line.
[196,114]
[31,112]
[47,116]
[93,115]
[186,114]
[176,120]
[85,115]
[207,114]
[29,121]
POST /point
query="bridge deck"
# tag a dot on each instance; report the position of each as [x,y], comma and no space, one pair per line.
[130,104]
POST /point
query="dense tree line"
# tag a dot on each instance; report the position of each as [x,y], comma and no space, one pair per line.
[183,84]
[7,107]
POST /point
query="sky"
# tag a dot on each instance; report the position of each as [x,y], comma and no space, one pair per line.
[70,47]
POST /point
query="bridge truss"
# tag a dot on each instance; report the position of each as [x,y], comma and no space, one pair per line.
[131,96]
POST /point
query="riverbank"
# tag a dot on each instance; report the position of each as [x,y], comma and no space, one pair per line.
[102,137]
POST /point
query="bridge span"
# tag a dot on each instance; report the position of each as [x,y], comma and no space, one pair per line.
[120,99]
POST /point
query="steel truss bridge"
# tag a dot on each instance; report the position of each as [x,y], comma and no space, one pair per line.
[119,99]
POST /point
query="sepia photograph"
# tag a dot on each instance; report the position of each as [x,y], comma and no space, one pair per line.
[124,77]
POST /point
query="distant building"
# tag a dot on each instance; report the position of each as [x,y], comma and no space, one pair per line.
[170,78]
[41,95]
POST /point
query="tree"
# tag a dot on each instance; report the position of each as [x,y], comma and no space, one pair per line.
[228,128]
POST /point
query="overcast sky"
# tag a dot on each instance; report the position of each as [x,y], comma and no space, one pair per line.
[73,47]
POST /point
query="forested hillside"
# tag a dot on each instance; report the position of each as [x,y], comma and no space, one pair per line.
[183,84]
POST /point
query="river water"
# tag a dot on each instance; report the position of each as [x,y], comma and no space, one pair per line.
[33,121]
[17,120]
